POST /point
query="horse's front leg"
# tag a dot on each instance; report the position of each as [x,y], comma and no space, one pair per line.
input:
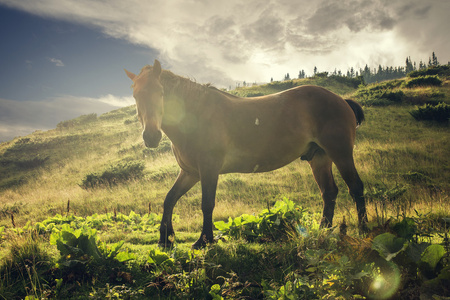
[209,180]
[183,184]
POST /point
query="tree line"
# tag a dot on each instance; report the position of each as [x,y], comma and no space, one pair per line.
[369,75]
[376,74]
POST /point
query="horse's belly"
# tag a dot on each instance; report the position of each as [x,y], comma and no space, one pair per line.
[240,162]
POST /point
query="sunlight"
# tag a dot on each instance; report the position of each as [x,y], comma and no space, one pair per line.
[385,284]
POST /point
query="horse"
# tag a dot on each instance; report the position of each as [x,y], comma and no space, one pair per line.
[213,132]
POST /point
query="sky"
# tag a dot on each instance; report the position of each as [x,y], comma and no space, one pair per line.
[63,58]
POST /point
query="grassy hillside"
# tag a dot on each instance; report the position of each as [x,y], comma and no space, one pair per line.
[98,165]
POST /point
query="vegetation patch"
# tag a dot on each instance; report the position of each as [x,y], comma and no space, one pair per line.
[379,95]
[428,80]
[285,219]
[64,257]
[443,71]
[114,174]
[428,112]
[81,120]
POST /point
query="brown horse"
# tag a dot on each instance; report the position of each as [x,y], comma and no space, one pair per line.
[213,132]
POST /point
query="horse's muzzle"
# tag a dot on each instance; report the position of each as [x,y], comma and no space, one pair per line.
[151,139]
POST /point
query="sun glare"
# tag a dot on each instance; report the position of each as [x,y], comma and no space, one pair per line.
[385,284]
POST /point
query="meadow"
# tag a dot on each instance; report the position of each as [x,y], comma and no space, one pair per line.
[80,205]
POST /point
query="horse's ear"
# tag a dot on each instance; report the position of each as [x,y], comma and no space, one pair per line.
[130,75]
[157,68]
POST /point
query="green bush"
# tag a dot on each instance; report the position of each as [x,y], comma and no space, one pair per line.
[282,220]
[353,82]
[443,71]
[438,113]
[423,81]
[379,95]
[114,175]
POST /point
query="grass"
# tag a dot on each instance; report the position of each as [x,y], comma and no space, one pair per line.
[43,172]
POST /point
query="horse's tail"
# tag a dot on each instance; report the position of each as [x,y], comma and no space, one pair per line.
[357,109]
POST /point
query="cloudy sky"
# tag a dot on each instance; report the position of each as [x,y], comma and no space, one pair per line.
[63,58]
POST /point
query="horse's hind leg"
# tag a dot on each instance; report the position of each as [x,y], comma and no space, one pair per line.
[346,167]
[321,166]
[183,184]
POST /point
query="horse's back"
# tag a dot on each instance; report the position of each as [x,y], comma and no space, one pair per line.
[267,132]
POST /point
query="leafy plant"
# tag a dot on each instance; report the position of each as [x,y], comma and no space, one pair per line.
[284,219]
[109,221]
[79,246]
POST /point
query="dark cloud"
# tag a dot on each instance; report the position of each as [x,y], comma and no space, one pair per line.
[353,14]
[267,32]
[217,25]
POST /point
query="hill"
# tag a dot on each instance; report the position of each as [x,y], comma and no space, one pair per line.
[98,165]
[45,169]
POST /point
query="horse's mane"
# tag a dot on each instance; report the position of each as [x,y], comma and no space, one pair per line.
[182,85]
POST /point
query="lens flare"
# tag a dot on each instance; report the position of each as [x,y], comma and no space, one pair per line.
[386,283]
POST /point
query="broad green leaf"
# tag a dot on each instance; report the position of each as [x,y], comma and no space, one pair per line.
[388,245]
[431,257]
[158,257]
[115,248]
[124,256]
[414,251]
[222,226]
[67,250]
[406,228]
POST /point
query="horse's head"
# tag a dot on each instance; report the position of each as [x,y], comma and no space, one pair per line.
[148,93]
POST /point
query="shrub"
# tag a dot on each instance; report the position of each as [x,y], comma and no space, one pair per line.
[423,81]
[282,220]
[378,96]
[438,113]
[353,82]
[281,85]
[114,175]
[440,70]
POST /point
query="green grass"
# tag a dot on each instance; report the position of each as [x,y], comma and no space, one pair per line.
[43,172]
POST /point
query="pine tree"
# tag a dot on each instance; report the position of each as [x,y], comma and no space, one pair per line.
[435,61]
[409,65]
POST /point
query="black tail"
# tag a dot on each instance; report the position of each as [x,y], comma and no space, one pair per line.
[357,109]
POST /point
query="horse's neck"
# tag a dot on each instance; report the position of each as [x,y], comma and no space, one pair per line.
[182,99]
